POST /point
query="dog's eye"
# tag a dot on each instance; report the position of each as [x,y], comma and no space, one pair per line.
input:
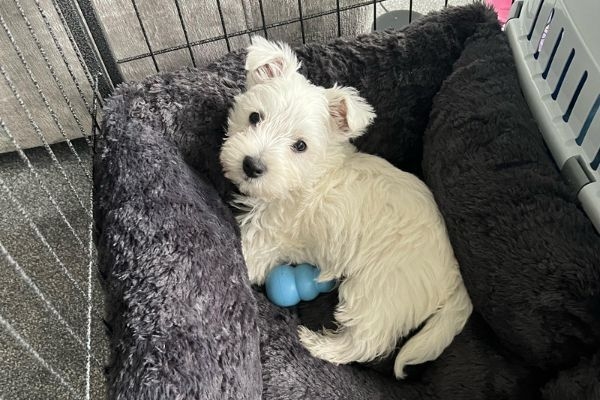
[254,118]
[299,146]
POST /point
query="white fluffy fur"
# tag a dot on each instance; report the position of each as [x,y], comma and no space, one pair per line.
[354,215]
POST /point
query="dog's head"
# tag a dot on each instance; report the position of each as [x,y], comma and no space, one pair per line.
[284,131]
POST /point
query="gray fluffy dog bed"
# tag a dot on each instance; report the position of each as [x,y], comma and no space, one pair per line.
[186,324]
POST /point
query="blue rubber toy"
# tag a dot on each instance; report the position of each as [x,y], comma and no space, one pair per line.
[287,285]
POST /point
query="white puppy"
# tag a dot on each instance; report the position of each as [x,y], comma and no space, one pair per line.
[309,196]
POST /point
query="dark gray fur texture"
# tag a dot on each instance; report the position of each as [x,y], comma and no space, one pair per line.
[185,322]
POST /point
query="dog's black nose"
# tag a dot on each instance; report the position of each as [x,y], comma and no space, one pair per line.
[253,167]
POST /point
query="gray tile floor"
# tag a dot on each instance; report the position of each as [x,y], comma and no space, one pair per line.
[44,296]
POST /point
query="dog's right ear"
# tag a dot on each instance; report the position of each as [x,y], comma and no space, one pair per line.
[268,60]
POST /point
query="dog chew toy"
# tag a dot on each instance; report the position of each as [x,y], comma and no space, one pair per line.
[287,285]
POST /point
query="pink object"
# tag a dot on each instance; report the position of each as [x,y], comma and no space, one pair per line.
[502,7]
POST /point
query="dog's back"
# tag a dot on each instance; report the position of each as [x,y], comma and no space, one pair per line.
[386,234]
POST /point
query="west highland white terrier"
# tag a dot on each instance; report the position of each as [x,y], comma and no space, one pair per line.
[310,197]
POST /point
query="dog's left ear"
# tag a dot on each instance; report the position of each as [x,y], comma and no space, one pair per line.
[351,113]
[267,60]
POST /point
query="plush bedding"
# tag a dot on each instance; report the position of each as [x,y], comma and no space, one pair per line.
[185,323]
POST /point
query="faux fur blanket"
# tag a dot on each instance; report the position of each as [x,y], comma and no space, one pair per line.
[187,325]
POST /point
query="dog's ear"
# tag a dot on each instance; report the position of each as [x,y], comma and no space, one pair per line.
[351,113]
[267,60]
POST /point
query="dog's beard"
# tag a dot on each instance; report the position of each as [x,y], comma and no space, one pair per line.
[262,189]
[249,187]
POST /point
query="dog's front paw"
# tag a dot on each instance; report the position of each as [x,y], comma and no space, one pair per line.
[257,269]
[258,264]
[256,277]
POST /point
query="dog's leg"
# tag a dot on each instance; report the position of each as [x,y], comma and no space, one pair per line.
[345,345]
[359,338]
[259,262]
[262,250]
[368,326]
[337,347]
[259,257]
